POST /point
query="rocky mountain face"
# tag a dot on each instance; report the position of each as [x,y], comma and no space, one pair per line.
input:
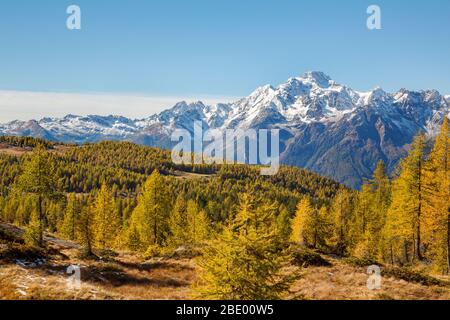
[324,126]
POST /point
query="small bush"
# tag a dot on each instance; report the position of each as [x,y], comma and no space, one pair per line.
[85,254]
[409,275]
[106,254]
[183,252]
[306,258]
[22,252]
[7,236]
[108,267]
[153,251]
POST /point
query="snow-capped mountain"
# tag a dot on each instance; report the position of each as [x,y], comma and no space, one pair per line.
[325,126]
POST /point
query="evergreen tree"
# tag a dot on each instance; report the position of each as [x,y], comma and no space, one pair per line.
[177,223]
[437,200]
[311,226]
[11,206]
[403,232]
[245,262]
[86,231]
[71,216]
[24,209]
[362,211]
[284,224]
[134,240]
[33,231]
[302,222]
[381,188]
[341,212]
[370,215]
[197,224]
[38,180]
[381,200]
[55,215]
[151,215]
[106,219]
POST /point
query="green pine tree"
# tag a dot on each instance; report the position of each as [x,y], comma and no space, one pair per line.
[38,180]
[33,231]
[151,215]
[245,262]
[71,216]
[107,222]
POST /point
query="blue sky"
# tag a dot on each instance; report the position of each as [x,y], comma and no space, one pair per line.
[218,48]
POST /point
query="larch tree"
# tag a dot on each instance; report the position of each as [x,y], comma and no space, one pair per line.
[26,206]
[71,216]
[437,200]
[33,231]
[39,181]
[381,187]
[245,262]
[55,215]
[86,231]
[151,215]
[106,219]
[197,223]
[381,200]
[311,226]
[370,214]
[341,213]
[177,223]
[415,165]
[404,217]
[362,212]
[284,224]
[302,222]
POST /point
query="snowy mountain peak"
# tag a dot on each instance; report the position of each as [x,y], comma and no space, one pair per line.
[312,97]
[316,77]
[265,91]
[378,95]
[325,126]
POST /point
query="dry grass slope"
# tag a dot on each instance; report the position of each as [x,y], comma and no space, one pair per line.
[25,274]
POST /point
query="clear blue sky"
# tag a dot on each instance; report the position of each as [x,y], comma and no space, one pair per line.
[220,47]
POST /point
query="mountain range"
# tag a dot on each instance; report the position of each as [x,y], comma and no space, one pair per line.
[326,127]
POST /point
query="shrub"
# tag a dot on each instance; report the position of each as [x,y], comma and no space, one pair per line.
[22,252]
[409,275]
[304,257]
[152,251]
[7,236]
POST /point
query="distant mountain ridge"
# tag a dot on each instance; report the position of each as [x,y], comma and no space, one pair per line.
[325,126]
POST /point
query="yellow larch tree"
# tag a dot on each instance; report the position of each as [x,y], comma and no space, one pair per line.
[150,218]
[245,262]
[402,232]
[437,200]
[106,220]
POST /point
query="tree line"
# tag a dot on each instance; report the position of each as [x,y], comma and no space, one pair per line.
[404,220]
[242,223]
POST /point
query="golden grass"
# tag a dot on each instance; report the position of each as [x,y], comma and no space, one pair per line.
[344,282]
[127,276]
[120,279]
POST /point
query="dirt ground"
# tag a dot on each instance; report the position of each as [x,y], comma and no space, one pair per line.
[127,276]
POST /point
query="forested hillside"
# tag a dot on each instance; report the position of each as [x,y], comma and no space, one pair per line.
[245,228]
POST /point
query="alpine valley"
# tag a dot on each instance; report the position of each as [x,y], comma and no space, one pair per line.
[324,126]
